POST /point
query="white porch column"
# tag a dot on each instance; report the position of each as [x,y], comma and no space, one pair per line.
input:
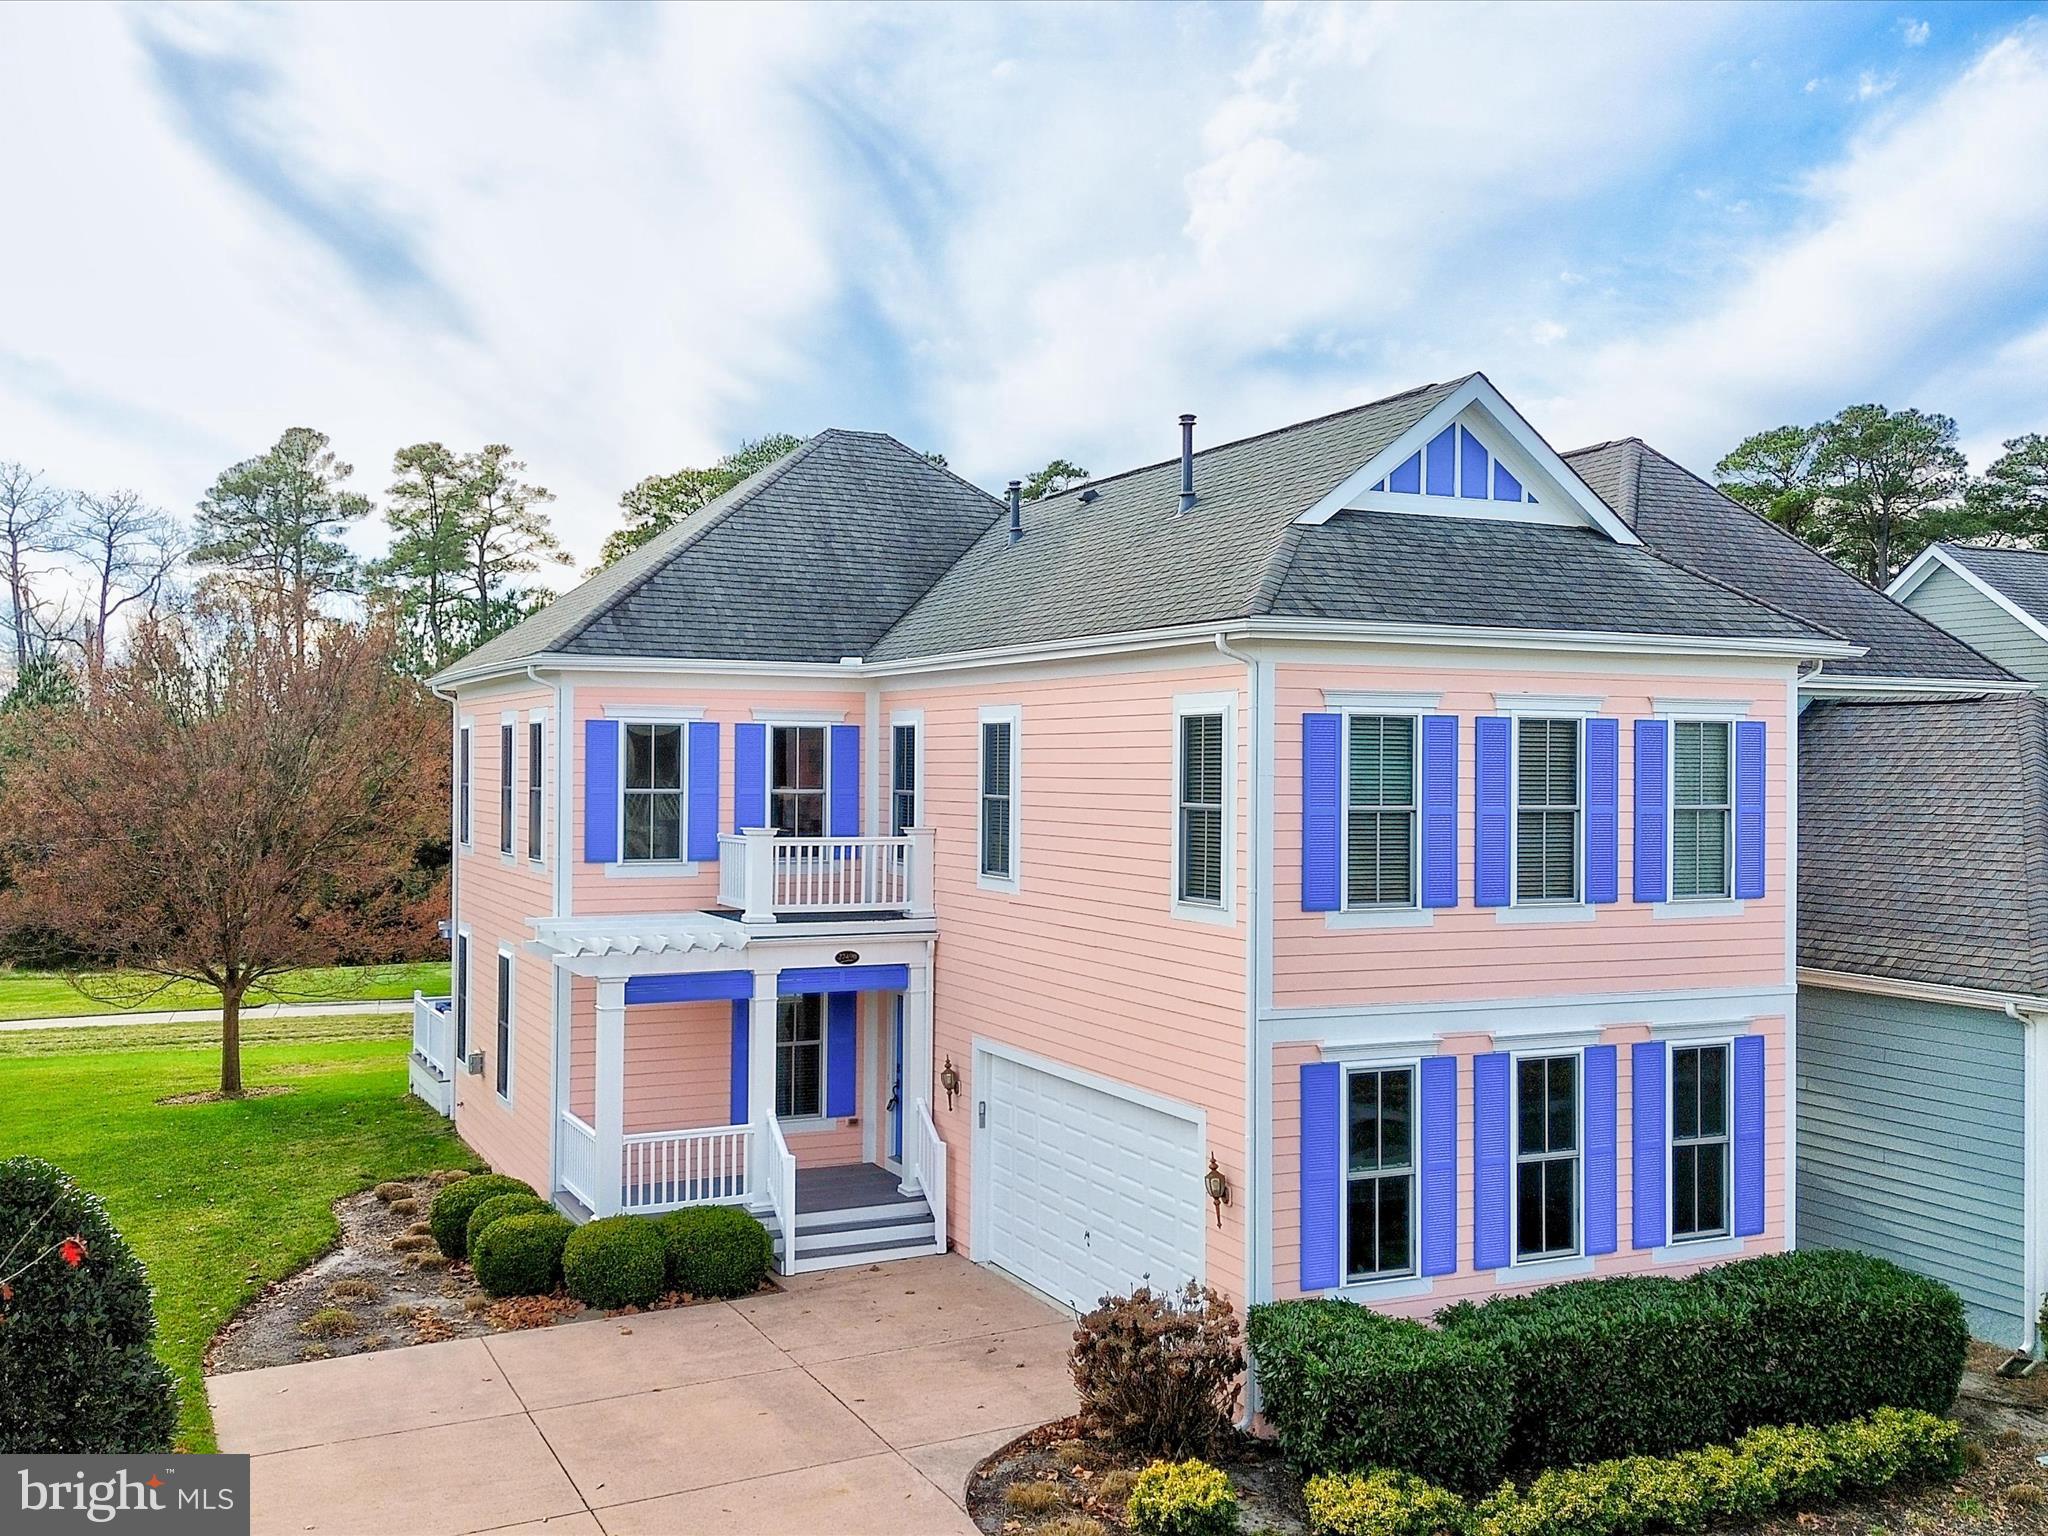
[761,1079]
[611,1094]
[919,1069]
[921,872]
[759,853]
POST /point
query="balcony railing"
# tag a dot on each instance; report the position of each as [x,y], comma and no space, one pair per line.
[432,1068]
[766,876]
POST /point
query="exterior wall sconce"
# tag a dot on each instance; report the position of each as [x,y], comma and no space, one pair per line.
[1217,1183]
[949,1079]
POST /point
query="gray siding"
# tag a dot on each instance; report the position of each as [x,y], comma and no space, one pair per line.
[1946,599]
[1911,1143]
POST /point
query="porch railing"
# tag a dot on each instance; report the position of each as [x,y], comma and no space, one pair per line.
[766,875]
[667,1170]
[931,1169]
[781,1180]
[579,1160]
[431,1071]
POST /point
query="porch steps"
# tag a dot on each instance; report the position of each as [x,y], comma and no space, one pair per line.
[901,1228]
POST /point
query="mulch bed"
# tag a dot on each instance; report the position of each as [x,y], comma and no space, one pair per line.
[2004,1491]
[215,1096]
[364,1295]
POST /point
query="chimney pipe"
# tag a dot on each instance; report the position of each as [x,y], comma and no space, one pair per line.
[1016,510]
[1187,462]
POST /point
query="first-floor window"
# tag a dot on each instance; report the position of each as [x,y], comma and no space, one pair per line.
[1379,1193]
[800,1055]
[654,792]
[1546,1156]
[536,735]
[1547,810]
[504,1025]
[998,810]
[902,779]
[1699,1141]
[1201,809]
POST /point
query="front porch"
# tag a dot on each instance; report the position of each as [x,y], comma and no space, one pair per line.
[787,1073]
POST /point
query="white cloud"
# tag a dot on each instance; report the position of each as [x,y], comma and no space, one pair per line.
[1870,85]
[1915,32]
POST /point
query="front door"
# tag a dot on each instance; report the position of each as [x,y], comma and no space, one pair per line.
[896,1088]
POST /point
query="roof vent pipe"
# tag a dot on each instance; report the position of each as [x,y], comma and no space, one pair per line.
[1016,510]
[1187,462]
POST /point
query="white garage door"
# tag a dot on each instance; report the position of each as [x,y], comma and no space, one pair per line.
[1089,1194]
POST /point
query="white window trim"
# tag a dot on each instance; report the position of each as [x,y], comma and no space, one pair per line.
[623,868]
[1721,904]
[507,1003]
[1412,1065]
[914,720]
[798,717]
[1013,716]
[1548,706]
[652,714]
[537,816]
[1535,908]
[1701,1241]
[1578,1254]
[508,788]
[1225,910]
[1386,914]
[1353,701]
[465,778]
[785,719]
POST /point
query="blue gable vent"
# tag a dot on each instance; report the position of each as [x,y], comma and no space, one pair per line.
[1457,462]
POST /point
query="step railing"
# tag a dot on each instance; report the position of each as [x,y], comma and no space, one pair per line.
[764,874]
[931,1170]
[780,1178]
[668,1170]
[578,1173]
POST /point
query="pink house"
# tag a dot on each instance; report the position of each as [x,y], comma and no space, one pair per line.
[1347,860]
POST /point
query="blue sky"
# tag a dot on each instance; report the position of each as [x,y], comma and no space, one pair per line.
[622,238]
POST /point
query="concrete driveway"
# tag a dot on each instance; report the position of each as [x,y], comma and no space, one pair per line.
[852,1402]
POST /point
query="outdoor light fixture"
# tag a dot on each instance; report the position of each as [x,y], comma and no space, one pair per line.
[1217,1183]
[949,1079]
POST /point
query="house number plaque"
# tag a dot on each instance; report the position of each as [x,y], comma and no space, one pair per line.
[848,957]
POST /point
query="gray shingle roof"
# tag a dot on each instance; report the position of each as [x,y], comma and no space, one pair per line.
[1923,841]
[1689,521]
[2021,574]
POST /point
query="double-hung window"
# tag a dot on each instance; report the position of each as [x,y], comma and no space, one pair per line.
[653,792]
[1547,810]
[1200,877]
[1379,812]
[1379,1188]
[800,1056]
[461,999]
[506,761]
[536,738]
[462,760]
[1700,807]
[504,1024]
[796,780]
[1699,1141]
[998,799]
[902,779]
[1546,1156]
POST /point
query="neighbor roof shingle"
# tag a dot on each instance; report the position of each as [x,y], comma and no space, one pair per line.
[2020,574]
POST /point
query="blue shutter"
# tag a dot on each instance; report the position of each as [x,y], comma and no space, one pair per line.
[839,1053]
[1492,742]
[1322,802]
[1490,1161]
[1647,1173]
[1749,1135]
[1600,1137]
[1438,1097]
[600,791]
[1322,1174]
[1603,809]
[1440,811]
[703,838]
[749,776]
[1749,808]
[740,1032]
[1653,778]
[842,818]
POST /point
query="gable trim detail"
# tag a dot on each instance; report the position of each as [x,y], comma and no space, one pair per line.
[1908,581]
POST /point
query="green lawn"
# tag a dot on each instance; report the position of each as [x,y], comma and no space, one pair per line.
[46,995]
[219,1199]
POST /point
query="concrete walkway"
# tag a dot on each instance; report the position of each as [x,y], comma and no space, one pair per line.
[212,1015]
[853,1403]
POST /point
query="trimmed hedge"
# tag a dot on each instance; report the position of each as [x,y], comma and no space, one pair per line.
[521,1254]
[1182,1498]
[1769,1469]
[512,1204]
[1348,1388]
[615,1261]
[448,1217]
[77,1371]
[715,1250]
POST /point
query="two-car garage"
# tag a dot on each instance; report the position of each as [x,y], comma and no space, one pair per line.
[1084,1187]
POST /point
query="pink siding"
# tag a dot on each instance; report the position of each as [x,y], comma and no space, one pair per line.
[1085,963]
[1467,953]
[1470,1284]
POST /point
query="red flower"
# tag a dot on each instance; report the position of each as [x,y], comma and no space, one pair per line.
[72,1251]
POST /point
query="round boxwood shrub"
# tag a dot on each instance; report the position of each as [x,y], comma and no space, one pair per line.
[617,1261]
[521,1254]
[513,1204]
[716,1250]
[77,1374]
[448,1220]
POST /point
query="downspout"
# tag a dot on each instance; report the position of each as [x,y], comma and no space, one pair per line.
[1256,1209]
[2032,1193]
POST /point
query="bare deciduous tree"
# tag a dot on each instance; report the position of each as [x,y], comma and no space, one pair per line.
[31,537]
[126,550]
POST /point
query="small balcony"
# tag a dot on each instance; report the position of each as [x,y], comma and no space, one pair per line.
[432,1066]
[767,877]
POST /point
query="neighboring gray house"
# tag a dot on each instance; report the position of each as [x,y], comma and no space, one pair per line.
[1922,1039]
[1996,599]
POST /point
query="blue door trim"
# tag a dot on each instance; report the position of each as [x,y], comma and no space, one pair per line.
[690,987]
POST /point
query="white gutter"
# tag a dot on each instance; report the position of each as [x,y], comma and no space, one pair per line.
[1816,685]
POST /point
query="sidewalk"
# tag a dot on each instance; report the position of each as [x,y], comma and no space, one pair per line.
[212,1015]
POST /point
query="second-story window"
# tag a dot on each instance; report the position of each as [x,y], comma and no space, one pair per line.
[1547,810]
[1379,813]
[902,779]
[998,799]
[505,765]
[462,760]
[796,787]
[1201,809]
[536,738]
[654,792]
[1699,808]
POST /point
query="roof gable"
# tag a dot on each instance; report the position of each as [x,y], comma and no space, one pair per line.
[2015,581]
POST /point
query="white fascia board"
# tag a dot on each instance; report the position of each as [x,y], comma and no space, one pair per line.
[1923,566]
[2021,1006]
[1917,570]
[1822,685]
[1478,391]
